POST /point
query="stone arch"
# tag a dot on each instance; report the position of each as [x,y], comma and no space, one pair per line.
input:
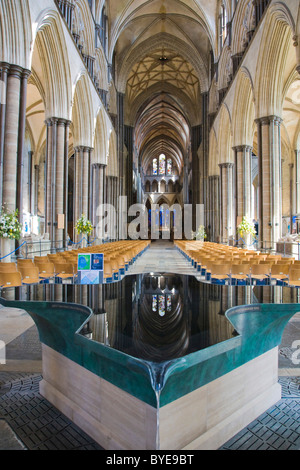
[112,163]
[243,110]
[224,145]
[84,27]
[83,115]
[101,70]
[225,69]
[101,139]
[213,153]
[277,47]
[242,26]
[53,53]
[16,33]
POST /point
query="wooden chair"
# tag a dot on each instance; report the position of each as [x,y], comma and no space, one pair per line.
[10,279]
[108,272]
[24,263]
[8,268]
[260,272]
[64,270]
[30,274]
[294,277]
[280,272]
[46,270]
[220,272]
[240,272]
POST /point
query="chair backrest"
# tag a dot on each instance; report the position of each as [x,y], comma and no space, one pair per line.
[64,268]
[24,262]
[240,269]
[8,268]
[10,279]
[280,269]
[260,269]
[294,274]
[220,269]
[46,267]
[31,272]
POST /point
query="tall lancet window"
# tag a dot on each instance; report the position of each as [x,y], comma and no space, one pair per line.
[162,164]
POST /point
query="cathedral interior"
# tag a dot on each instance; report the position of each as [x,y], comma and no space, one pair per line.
[157,104]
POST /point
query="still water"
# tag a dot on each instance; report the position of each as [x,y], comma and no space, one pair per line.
[156,317]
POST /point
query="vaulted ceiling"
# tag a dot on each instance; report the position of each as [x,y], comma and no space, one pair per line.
[162,54]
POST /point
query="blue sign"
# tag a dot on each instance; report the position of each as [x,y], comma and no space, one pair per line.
[97,263]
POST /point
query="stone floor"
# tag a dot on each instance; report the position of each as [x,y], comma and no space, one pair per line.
[29,422]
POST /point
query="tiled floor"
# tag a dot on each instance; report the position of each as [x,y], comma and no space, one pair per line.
[28,421]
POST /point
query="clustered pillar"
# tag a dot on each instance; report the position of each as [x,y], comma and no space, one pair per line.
[243,166]
[227,201]
[269,161]
[56,180]
[14,81]
[82,182]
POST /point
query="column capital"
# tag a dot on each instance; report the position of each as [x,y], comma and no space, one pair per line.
[88,149]
[4,66]
[97,166]
[226,165]
[242,148]
[15,71]
[63,122]
[78,149]
[267,120]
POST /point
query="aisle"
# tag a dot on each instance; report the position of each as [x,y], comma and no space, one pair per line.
[162,257]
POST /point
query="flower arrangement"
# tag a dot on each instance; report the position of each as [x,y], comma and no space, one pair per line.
[10,227]
[246,227]
[200,234]
[84,226]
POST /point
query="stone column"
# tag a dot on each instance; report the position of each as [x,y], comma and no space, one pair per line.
[243,181]
[214,208]
[21,142]
[12,128]
[78,170]
[227,201]
[297,175]
[3,76]
[96,191]
[292,195]
[36,189]
[82,182]
[56,179]
[270,186]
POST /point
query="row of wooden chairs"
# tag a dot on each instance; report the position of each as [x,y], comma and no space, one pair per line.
[117,258]
[221,263]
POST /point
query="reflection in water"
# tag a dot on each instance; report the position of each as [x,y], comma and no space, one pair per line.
[156,317]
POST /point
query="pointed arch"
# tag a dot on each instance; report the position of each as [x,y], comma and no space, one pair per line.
[112,163]
[53,53]
[83,113]
[275,60]
[225,152]
[243,110]
[213,153]
[101,138]
[16,33]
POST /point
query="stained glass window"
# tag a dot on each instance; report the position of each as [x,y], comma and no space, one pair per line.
[162,305]
[155,166]
[154,303]
[169,303]
[169,167]
[162,164]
